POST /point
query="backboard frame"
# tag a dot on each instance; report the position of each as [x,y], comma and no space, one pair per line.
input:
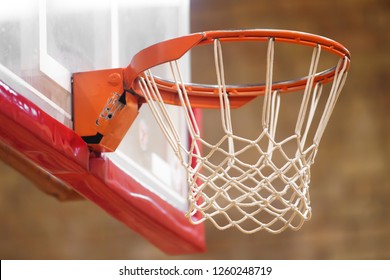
[36,126]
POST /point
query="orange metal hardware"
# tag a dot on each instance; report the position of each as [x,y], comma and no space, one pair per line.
[106,102]
[102,113]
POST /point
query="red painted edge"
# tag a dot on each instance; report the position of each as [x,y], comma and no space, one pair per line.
[60,151]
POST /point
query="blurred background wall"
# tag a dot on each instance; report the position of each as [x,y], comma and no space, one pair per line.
[350,188]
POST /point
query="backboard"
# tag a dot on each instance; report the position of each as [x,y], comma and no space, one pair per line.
[42,43]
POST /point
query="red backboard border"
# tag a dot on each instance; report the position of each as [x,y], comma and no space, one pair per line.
[32,136]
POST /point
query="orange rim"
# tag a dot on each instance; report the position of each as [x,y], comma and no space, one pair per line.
[207,95]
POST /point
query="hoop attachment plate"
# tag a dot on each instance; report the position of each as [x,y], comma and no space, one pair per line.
[102,113]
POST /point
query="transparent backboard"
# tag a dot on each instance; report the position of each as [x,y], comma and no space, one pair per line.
[43,42]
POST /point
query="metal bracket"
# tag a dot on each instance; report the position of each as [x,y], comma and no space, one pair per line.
[102,111]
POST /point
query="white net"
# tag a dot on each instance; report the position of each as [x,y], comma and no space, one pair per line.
[271,193]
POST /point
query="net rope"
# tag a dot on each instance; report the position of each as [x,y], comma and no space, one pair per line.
[270,194]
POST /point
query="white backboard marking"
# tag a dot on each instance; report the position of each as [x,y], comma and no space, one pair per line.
[48,64]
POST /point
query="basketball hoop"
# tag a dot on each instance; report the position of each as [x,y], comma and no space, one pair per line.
[273,193]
